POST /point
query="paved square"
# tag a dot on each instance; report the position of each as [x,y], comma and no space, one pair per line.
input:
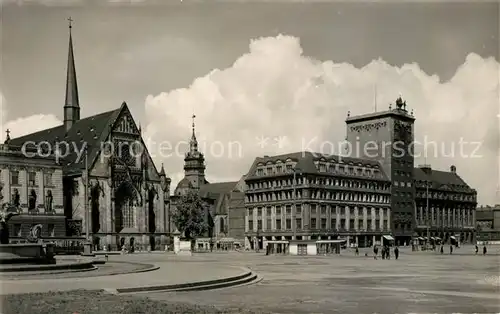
[418,282]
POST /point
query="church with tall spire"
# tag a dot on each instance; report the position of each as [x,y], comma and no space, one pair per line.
[220,198]
[113,194]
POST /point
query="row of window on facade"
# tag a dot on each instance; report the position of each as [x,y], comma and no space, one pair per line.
[402,173]
[18,230]
[322,167]
[32,200]
[319,195]
[277,226]
[32,176]
[323,210]
[403,184]
[444,216]
[448,196]
[320,181]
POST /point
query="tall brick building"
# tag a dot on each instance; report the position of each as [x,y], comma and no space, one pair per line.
[386,137]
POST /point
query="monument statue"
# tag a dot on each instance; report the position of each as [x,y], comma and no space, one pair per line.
[7,211]
[35,234]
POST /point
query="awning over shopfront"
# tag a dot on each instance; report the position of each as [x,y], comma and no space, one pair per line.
[227,240]
[388,237]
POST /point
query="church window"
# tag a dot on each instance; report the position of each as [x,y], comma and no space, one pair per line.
[14,177]
[47,179]
[222,227]
[31,178]
[128,215]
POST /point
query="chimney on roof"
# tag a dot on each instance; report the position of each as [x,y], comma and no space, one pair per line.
[426,168]
[453,169]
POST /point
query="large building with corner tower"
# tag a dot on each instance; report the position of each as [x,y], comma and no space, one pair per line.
[371,194]
[111,186]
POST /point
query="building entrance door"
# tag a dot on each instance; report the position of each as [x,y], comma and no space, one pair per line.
[302,249]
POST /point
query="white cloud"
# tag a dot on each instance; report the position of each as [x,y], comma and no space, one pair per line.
[24,125]
[276,91]
[31,124]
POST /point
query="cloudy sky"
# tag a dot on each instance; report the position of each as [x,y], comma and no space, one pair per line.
[262,78]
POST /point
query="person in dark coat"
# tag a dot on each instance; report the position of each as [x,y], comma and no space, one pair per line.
[375,252]
[484,250]
[396,252]
[388,253]
[382,251]
[451,249]
[477,249]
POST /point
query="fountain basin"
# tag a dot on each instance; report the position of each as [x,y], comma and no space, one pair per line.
[27,253]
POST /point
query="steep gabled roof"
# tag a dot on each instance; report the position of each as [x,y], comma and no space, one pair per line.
[89,132]
[305,162]
[219,192]
[444,180]
[217,188]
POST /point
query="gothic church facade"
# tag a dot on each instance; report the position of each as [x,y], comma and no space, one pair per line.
[108,171]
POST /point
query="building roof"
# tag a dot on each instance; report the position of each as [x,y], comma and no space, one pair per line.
[442,180]
[184,184]
[88,132]
[305,161]
[484,215]
[220,192]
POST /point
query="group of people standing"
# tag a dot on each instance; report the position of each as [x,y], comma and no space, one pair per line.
[386,252]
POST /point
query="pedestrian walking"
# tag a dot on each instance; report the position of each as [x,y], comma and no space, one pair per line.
[388,253]
[451,249]
[375,252]
[357,251]
[396,252]
[442,249]
[477,249]
[484,250]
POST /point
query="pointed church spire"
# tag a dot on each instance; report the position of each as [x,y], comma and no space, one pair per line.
[193,144]
[162,171]
[72,103]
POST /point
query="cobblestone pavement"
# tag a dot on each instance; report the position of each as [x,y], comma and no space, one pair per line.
[348,284]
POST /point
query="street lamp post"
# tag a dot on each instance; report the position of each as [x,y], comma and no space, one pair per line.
[87,247]
[427,212]
[294,185]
